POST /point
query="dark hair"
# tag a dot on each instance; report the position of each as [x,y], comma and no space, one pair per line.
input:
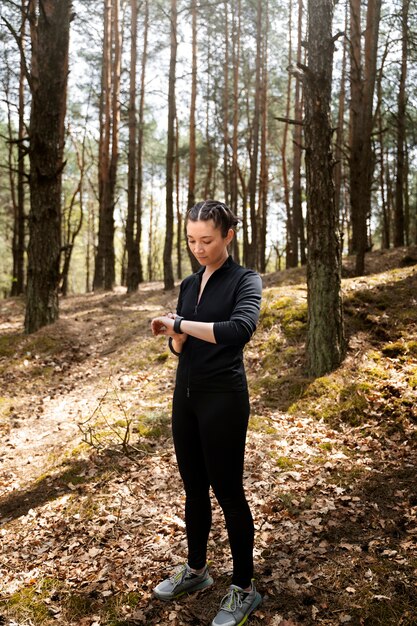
[222,216]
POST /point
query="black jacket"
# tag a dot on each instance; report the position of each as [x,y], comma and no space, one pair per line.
[231,299]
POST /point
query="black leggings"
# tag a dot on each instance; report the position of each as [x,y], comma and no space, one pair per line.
[209,432]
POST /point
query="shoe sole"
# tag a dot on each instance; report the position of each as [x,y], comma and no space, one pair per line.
[205,583]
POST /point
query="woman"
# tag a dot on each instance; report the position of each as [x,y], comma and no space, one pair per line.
[217,312]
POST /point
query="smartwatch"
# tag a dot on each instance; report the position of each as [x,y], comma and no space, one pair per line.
[177,325]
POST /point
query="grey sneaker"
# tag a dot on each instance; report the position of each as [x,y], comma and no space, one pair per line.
[236,606]
[182,581]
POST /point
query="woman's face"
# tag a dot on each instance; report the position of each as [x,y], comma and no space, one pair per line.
[207,242]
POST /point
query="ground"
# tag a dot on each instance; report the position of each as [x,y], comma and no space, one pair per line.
[91,507]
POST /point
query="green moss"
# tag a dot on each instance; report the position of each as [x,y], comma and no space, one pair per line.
[279,391]
[332,401]
[261,424]
[29,602]
[271,311]
[284,462]
[394,349]
[153,425]
[9,344]
[327,445]
[161,358]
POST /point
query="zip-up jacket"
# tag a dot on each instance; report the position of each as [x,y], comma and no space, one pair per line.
[231,299]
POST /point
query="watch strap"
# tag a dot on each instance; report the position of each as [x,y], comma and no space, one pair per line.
[177,325]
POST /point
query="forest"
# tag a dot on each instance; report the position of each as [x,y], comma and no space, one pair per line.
[158,105]
[117,116]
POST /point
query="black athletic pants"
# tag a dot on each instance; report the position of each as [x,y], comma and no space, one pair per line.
[209,431]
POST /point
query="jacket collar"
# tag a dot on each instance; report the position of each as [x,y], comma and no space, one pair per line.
[228,263]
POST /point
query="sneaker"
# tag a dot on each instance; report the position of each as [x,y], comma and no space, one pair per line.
[236,606]
[183,580]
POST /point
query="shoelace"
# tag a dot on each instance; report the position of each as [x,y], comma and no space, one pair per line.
[178,577]
[232,601]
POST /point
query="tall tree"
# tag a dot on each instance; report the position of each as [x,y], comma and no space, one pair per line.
[299,251]
[132,278]
[291,232]
[104,271]
[251,252]
[234,173]
[49,26]
[264,162]
[325,334]
[19,206]
[400,225]
[192,130]
[362,80]
[170,155]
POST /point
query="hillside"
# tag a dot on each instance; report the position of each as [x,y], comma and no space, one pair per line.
[91,504]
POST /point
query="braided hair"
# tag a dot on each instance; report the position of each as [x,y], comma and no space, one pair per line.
[222,216]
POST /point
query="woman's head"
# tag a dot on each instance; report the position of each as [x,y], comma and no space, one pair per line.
[219,212]
[210,228]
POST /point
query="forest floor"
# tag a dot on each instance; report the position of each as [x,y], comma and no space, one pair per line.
[91,504]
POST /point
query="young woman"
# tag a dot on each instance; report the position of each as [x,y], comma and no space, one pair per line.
[217,312]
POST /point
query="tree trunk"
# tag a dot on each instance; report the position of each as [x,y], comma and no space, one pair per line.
[325,334]
[264,169]
[297,211]
[141,124]
[340,131]
[192,139]
[291,234]
[170,156]
[361,112]
[399,221]
[253,178]
[48,82]
[104,273]
[18,283]
[132,276]
[234,173]
[226,141]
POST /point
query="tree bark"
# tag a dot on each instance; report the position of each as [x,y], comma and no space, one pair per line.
[18,283]
[291,234]
[234,173]
[325,333]
[264,164]
[132,275]
[192,128]
[104,271]
[297,212]
[170,156]
[49,73]
[361,121]
[399,218]
[253,177]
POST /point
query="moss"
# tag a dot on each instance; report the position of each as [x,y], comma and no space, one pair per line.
[9,344]
[284,462]
[327,446]
[153,425]
[29,602]
[332,401]
[261,424]
[271,311]
[161,358]
[394,349]
[280,391]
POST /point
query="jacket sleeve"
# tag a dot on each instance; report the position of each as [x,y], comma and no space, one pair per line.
[178,310]
[242,323]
